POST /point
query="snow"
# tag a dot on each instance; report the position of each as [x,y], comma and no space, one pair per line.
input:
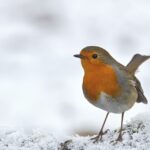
[41,81]
[11,139]
[136,136]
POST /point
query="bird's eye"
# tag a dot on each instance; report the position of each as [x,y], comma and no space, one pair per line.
[94,56]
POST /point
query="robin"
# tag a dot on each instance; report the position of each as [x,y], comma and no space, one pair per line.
[109,85]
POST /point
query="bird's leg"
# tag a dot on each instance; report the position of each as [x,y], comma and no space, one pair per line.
[101,133]
[120,132]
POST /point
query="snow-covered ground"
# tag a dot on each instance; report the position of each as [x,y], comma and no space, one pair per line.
[40,81]
[136,136]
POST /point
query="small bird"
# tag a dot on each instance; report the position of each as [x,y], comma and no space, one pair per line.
[109,85]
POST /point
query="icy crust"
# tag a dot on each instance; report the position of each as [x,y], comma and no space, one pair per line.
[136,136]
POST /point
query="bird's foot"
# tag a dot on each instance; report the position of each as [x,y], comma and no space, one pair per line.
[99,136]
[119,139]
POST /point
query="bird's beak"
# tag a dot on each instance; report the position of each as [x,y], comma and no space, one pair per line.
[79,56]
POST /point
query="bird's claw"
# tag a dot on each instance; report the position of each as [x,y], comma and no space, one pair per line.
[96,139]
[119,139]
[99,137]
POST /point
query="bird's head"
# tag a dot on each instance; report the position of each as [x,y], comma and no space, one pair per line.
[93,57]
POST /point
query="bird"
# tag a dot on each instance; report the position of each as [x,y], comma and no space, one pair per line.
[110,85]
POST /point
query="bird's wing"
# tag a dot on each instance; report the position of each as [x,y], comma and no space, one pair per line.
[135,62]
[129,70]
[132,66]
[141,97]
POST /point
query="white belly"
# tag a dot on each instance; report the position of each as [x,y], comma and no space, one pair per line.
[113,105]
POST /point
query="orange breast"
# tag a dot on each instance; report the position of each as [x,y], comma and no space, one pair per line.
[100,78]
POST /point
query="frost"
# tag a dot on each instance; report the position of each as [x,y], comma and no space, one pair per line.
[18,140]
[136,136]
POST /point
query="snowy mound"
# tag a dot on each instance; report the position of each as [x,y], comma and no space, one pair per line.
[17,140]
[136,136]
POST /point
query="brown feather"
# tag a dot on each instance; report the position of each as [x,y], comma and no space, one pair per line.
[135,62]
[132,67]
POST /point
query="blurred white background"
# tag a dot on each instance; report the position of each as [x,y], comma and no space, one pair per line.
[40,81]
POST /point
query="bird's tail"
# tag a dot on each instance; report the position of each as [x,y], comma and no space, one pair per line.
[135,62]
